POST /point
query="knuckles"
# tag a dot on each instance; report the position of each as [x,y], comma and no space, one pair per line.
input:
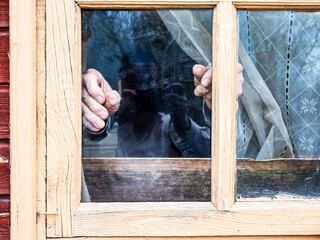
[240,68]
[241,80]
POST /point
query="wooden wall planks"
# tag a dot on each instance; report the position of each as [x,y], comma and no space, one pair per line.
[4,50]
[4,178]
[4,151]
[4,13]
[4,122]
[23,119]
[4,204]
[4,70]
[4,227]
[4,111]
[4,217]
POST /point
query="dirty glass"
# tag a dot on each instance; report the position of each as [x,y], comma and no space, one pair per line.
[157,145]
[278,120]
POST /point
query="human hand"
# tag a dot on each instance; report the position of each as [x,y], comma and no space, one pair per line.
[240,79]
[99,101]
[203,82]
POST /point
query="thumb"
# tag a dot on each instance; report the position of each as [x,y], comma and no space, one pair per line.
[112,102]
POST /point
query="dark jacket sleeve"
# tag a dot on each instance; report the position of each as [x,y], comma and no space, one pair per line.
[100,135]
[104,49]
[196,142]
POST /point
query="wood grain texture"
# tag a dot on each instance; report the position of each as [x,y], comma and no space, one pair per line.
[4,151]
[4,111]
[4,40]
[129,179]
[5,237]
[118,180]
[4,178]
[4,226]
[224,107]
[260,5]
[198,238]
[23,119]
[4,204]
[4,123]
[145,219]
[153,4]
[307,5]
[278,179]
[41,120]
[4,58]
[4,13]
[4,217]
[63,102]
[197,219]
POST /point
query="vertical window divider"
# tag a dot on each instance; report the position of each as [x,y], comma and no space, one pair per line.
[224,107]
[64,125]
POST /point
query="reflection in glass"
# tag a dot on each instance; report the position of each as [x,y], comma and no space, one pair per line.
[279,111]
[147,57]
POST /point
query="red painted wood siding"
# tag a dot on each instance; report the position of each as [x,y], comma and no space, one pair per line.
[4,218]
[4,50]
[4,13]
[4,111]
[4,169]
[4,122]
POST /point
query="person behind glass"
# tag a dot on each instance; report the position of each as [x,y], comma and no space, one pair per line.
[132,78]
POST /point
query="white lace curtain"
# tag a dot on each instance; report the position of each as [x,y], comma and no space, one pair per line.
[278,113]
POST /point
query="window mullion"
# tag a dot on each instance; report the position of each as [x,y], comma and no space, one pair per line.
[224,106]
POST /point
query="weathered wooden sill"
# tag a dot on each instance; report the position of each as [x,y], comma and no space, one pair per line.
[189,179]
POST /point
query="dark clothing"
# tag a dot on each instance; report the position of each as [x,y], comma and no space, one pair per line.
[159,115]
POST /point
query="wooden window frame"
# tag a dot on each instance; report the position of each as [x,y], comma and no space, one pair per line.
[45,118]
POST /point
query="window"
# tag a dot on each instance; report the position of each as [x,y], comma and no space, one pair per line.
[277,121]
[147,56]
[54,148]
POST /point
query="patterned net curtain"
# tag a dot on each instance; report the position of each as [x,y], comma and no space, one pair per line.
[279,110]
[284,48]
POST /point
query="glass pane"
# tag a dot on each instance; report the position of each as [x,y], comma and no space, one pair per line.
[156,145]
[278,121]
